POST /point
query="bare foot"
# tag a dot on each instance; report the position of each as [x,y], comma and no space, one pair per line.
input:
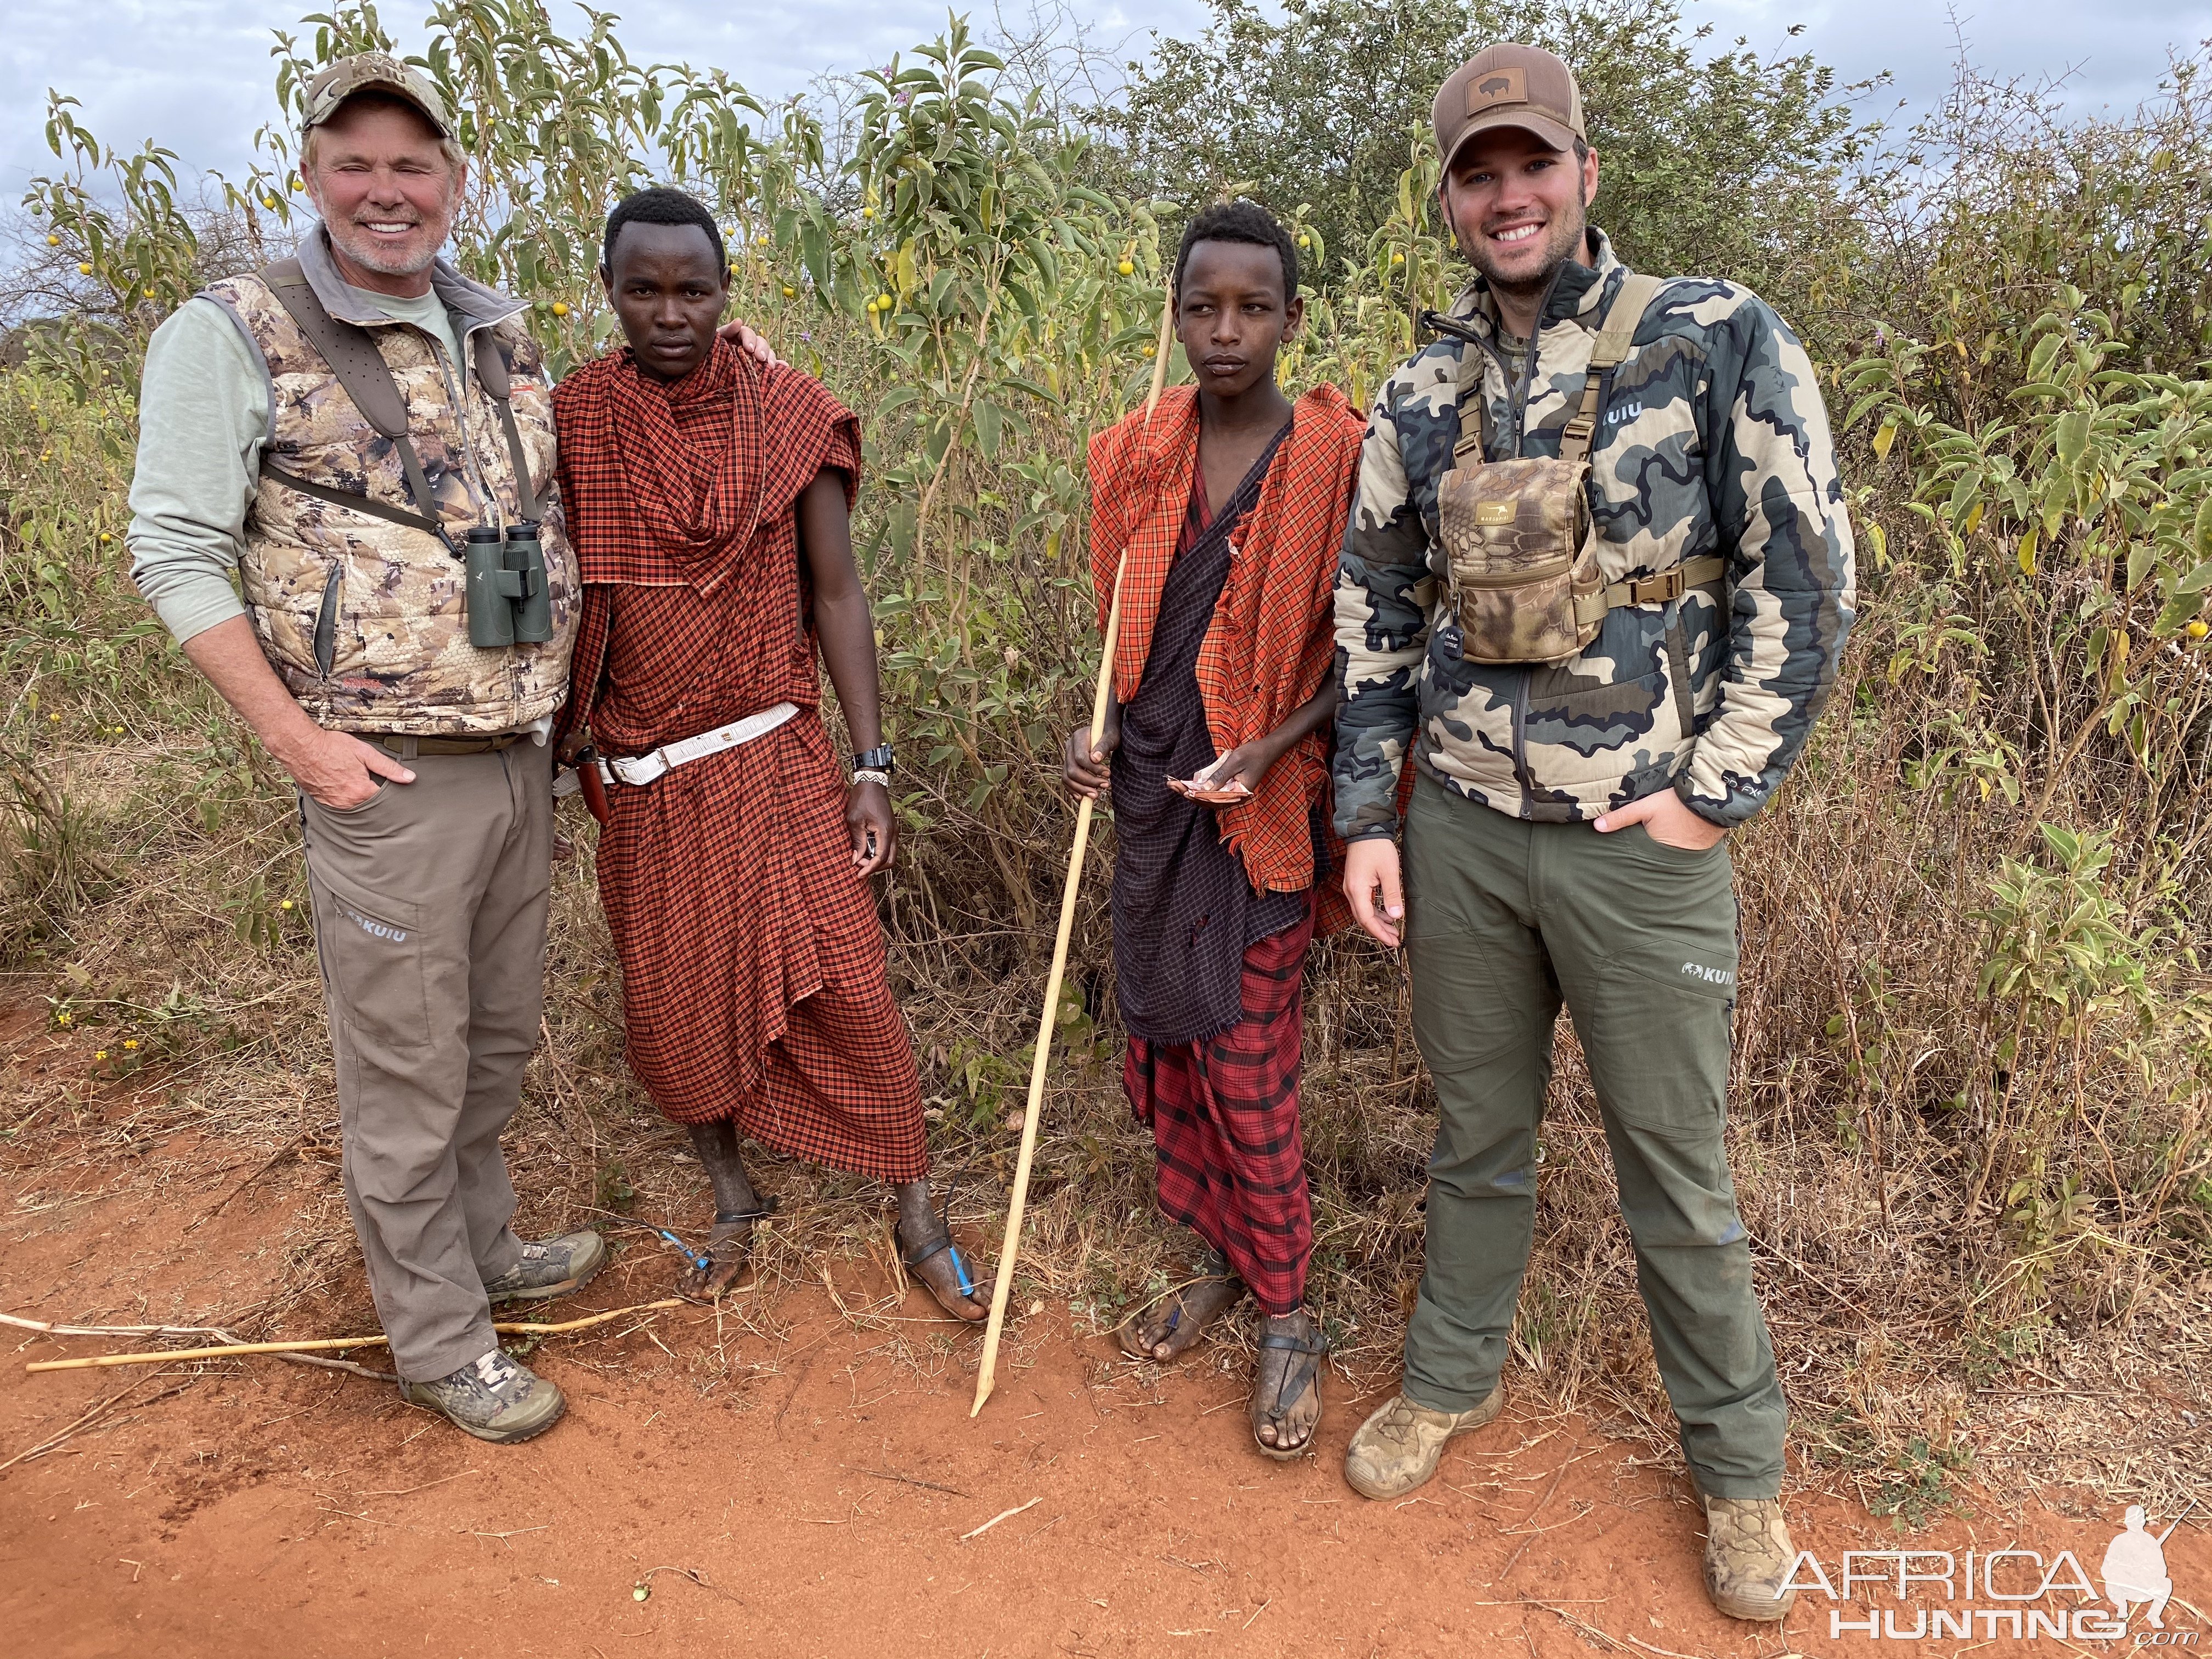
[940,1276]
[729,1252]
[1286,1383]
[1171,1324]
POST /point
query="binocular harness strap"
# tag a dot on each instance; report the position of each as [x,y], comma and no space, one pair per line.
[360,370]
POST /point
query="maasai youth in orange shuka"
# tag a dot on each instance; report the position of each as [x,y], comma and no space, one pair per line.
[1226,631]
[753,973]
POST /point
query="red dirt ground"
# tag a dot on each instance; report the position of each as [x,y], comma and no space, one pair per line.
[826,1500]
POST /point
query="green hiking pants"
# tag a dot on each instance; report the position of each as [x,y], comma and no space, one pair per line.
[1504,920]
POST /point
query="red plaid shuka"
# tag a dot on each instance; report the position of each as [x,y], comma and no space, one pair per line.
[753,974]
[1273,641]
[1225,1118]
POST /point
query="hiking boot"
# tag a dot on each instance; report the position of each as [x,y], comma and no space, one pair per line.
[1399,1448]
[1747,1556]
[552,1266]
[492,1398]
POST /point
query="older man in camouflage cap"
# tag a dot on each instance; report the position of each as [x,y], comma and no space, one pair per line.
[1584,733]
[334,430]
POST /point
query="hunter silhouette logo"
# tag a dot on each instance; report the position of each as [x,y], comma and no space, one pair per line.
[2135,1568]
[1504,87]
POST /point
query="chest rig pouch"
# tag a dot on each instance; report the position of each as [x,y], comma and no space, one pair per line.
[1521,551]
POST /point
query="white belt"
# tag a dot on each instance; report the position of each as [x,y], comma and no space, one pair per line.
[644,768]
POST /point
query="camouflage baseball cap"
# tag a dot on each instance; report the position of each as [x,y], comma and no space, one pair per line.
[1509,86]
[374,71]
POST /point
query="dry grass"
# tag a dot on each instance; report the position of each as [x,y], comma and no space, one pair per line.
[1916,1359]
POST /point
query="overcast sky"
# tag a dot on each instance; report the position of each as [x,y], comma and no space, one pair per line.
[194,74]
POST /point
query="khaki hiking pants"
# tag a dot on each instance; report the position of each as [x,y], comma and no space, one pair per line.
[1505,920]
[430,905]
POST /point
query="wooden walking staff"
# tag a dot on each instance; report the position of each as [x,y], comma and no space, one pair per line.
[986,1377]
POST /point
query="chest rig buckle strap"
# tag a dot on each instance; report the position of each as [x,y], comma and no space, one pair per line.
[1521,552]
[360,369]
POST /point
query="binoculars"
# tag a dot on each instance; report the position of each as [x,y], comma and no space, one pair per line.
[508,602]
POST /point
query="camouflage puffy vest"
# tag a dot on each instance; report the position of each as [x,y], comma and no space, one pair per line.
[364,618]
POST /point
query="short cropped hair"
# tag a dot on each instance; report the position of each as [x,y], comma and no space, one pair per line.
[1240,221]
[661,206]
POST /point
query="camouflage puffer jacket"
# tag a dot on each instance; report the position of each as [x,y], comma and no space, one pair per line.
[1711,440]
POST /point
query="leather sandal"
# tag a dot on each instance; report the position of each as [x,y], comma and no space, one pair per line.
[962,1274]
[1304,1375]
[729,1247]
[1213,1269]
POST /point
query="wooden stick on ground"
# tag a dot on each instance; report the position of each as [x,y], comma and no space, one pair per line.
[987,1377]
[235,1350]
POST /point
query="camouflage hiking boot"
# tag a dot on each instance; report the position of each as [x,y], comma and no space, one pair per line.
[493,1399]
[1399,1448]
[1747,1556]
[554,1267]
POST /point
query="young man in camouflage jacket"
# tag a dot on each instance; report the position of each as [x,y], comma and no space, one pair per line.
[1564,833]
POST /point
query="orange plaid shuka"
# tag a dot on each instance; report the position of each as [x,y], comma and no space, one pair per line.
[1272,640]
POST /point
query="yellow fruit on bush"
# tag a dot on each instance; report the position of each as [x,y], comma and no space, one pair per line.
[883,303]
[2197,630]
[1305,241]
[84,270]
[868,213]
[560,307]
[789,292]
[1397,258]
[53,242]
[1126,268]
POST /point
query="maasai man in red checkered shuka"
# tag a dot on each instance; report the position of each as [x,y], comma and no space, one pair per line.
[1229,504]
[708,496]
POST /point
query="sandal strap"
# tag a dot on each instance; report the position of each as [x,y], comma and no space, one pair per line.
[915,1257]
[1295,1381]
[1315,1344]
[763,1206]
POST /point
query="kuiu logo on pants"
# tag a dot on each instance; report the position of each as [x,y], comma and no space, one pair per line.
[377,929]
[1711,975]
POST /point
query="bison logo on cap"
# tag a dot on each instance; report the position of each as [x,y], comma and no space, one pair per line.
[1505,86]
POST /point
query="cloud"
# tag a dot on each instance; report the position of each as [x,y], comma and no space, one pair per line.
[196,75]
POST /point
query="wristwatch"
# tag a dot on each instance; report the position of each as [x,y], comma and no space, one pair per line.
[877,759]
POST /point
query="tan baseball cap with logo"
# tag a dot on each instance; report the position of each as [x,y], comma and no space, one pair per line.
[1509,85]
[374,71]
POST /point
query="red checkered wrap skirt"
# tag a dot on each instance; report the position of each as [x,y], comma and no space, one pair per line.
[1224,1118]
[753,974]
